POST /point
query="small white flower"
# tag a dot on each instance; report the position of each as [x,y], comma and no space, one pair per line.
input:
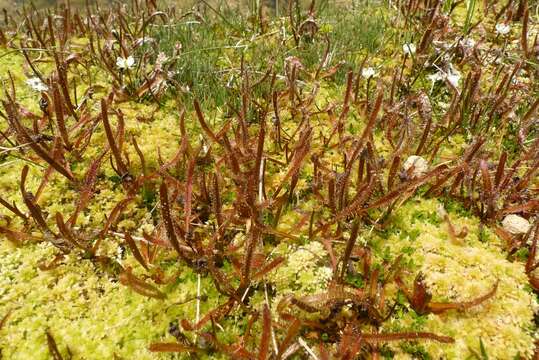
[421,166]
[368,72]
[409,49]
[503,29]
[516,224]
[36,84]
[125,63]
[162,58]
[144,40]
[436,77]
[205,147]
[468,43]
[452,76]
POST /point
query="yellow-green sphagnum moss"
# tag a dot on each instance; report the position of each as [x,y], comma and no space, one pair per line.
[301,274]
[456,273]
[86,310]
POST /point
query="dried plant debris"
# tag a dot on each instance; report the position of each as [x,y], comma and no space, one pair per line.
[267,180]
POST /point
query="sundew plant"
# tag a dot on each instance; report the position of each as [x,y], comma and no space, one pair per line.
[286,179]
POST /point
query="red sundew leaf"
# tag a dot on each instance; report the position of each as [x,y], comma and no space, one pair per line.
[505,236]
[215,195]
[534,281]
[167,218]
[406,187]
[500,169]
[60,120]
[366,132]
[252,319]
[16,237]
[424,137]
[302,150]
[29,201]
[42,152]
[348,250]
[329,248]
[234,351]
[420,297]
[252,241]
[134,249]
[349,345]
[487,184]
[435,307]
[189,194]
[392,171]
[291,333]
[405,336]
[203,123]
[268,267]
[266,334]
[530,207]
[356,205]
[47,175]
[66,232]
[186,325]
[113,217]
[87,189]
[43,266]
[256,174]
[127,278]
[13,208]
[171,347]
[214,315]
[530,266]
[114,146]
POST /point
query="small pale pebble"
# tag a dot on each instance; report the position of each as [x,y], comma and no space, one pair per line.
[420,165]
[516,224]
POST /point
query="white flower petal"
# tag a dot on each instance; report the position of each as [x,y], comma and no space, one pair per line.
[503,29]
[36,84]
[125,63]
[409,49]
[130,62]
[368,72]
